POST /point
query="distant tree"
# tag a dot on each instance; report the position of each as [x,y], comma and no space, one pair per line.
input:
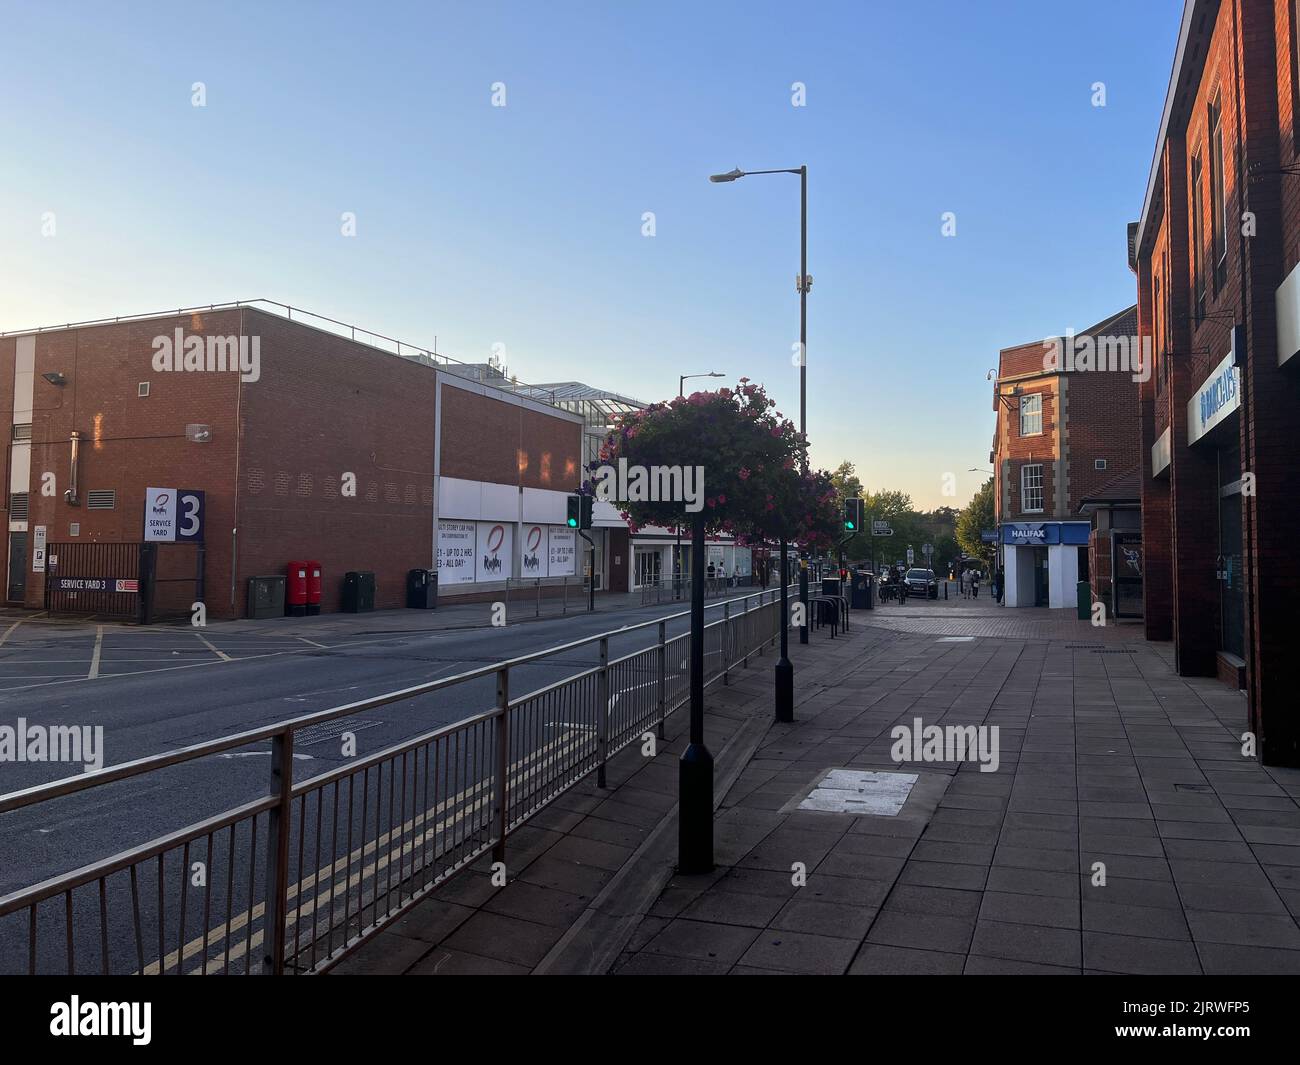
[977,516]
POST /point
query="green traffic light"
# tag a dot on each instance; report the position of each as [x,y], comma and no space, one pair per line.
[849,525]
[573,524]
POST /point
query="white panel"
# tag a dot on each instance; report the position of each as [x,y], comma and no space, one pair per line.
[1160,452]
[605,514]
[563,548]
[500,502]
[1288,317]
[20,468]
[1062,575]
[1217,398]
[545,506]
[24,378]
[459,499]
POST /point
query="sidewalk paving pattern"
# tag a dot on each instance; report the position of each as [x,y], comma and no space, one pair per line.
[1106,757]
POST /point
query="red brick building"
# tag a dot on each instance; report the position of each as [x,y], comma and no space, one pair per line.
[1066,429]
[1216,253]
[318,446]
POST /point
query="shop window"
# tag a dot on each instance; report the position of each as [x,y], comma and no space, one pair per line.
[1031,414]
[1031,488]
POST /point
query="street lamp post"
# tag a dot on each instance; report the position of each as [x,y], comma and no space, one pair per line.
[677,558]
[802,284]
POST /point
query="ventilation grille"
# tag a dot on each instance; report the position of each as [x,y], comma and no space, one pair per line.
[18,506]
[101,499]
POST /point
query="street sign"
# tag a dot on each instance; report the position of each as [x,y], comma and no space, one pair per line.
[910,556]
[927,550]
[881,528]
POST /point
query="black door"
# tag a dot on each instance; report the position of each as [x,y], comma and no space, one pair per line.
[17,566]
[1042,588]
[1126,567]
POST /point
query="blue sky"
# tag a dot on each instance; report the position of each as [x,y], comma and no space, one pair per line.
[522,225]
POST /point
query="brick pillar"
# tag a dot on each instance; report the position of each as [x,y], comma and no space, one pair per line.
[1270,402]
[1157,542]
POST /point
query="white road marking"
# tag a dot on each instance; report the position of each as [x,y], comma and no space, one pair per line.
[312,642]
[208,644]
[94,659]
[263,754]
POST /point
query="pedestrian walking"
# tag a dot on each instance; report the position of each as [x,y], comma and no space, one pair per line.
[997,586]
[975,585]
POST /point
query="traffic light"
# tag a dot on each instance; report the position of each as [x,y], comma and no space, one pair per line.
[579,512]
[853,515]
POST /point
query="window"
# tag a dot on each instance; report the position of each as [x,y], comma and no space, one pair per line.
[1098,464]
[1031,414]
[1218,221]
[1031,488]
[1198,239]
[22,432]
[142,390]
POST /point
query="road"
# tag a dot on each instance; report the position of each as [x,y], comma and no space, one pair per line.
[154,690]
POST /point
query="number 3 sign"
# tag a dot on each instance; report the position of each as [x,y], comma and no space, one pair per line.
[173,515]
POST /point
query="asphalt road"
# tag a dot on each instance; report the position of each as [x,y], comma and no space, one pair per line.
[154,690]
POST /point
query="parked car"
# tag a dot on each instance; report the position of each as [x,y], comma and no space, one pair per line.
[922,582]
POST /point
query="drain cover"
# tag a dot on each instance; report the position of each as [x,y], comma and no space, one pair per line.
[860,791]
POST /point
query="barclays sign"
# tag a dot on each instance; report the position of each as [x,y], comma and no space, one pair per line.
[1217,398]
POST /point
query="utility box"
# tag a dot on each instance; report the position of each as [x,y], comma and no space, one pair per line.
[266,596]
[422,589]
[295,591]
[830,586]
[313,587]
[358,592]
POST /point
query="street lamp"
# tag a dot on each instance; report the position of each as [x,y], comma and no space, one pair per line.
[802,284]
[681,392]
[681,381]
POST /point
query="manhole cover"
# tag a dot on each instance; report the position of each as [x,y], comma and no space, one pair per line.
[331,730]
[860,791]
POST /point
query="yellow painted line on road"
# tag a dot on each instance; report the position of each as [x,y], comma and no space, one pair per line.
[207,643]
[522,772]
[99,646]
[9,631]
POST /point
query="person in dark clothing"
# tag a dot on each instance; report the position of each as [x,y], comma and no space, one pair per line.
[997,585]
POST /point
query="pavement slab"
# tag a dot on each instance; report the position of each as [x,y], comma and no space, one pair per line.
[1121,831]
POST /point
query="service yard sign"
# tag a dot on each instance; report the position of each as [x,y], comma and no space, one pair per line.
[173,515]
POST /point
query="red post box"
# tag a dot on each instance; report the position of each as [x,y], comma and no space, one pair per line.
[313,587]
[295,589]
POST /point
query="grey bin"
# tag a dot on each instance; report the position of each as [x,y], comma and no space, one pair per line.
[266,596]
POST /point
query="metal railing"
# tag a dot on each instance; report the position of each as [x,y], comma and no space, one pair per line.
[378,341]
[678,589]
[536,596]
[294,881]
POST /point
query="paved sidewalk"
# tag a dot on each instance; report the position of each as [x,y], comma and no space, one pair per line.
[1108,761]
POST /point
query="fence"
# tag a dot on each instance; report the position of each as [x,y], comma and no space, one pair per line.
[546,595]
[137,581]
[297,879]
[678,589]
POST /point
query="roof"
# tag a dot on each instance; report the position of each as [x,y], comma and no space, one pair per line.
[1122,488]
[1189,58]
